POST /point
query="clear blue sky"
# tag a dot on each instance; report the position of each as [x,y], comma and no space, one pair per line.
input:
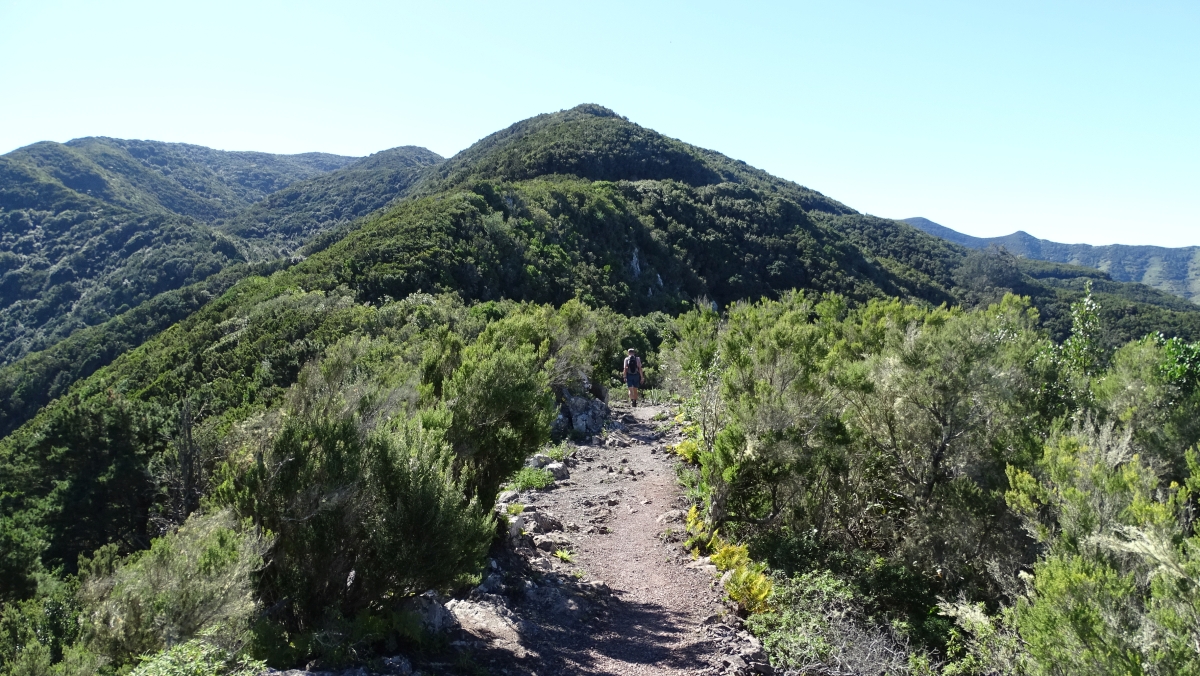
[1075,121]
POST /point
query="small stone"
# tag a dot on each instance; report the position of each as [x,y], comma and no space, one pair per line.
[540,522]
[516,526]
[398,665]
[670,516]
[735,662]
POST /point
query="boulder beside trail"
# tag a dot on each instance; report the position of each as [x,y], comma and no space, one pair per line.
[581,415]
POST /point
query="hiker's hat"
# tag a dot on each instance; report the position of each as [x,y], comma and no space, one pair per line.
[630,350]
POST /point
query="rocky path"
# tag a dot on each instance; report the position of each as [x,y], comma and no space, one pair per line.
[629,600]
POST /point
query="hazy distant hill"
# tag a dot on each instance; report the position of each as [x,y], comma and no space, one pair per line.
[184,179]
[99,227]
[1174,270]
[288,218]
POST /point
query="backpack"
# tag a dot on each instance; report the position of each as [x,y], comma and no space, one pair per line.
[633,364]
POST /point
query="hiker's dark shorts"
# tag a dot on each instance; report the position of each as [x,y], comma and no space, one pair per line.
[633,380]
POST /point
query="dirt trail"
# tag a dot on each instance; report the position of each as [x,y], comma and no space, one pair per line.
[652,614]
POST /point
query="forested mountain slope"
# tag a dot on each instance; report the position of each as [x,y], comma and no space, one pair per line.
[70,260]
[1174,270]
[96,226]
[286,219]
[595,143]
[179,178]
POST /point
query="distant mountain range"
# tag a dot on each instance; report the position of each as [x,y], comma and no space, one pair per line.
[1174,270]
[94,227]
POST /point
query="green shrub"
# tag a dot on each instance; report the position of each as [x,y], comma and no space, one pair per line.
[197,658]
[729,556]
[816,623]
[531,478]
[502,408]
[47,625]
[688,449]
[558,452]
[199,578]
[360,496]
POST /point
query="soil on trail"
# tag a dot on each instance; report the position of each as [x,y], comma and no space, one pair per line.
[621,513]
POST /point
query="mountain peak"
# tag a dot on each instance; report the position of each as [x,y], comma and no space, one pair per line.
[592,110]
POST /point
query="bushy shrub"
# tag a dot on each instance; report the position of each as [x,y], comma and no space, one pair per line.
[360,496]
[198,658]
[199,578]
[750,587]
[816,623]
[687,449]
[1118,589]
[528,478]
[729,556]
[47,625]
[501,408]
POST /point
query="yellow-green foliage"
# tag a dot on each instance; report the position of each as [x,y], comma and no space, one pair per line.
[701,538]
[729,556]
[747,584]
[516,508]
[687,449]
[564,555]
[750,587]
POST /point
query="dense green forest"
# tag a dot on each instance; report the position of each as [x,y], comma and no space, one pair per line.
[902,429]
[94,228]
[1173,270]
[287,219]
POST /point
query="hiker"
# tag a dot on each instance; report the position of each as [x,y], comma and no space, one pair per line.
[633,375]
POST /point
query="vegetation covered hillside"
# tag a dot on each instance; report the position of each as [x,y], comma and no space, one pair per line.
[182,179]
[1175,271]
[95,227]
[326,436]
[287,219]
[69,260]
[594,143]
